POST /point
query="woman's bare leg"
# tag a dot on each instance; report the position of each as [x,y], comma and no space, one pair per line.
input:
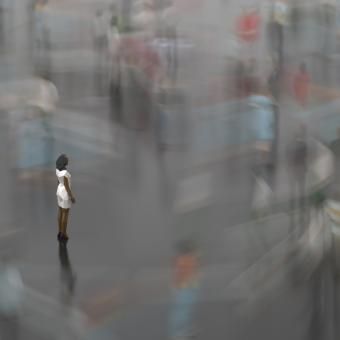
[64,221]
[60,219]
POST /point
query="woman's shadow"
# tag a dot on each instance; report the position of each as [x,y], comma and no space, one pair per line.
[67,276]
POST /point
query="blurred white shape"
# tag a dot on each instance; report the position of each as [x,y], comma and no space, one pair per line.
[322,169]
[35,92]
[262,196]
[113,39]
[280,12]
[11,289]
[101,24]
[144,17]
[316,241]
[46,97]
[333,211]
[194,192]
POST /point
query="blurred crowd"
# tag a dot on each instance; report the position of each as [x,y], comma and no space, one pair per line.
[206,78]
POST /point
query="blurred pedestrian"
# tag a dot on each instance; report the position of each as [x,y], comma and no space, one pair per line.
[298,162]
[42,37]
[274,82]
[11,289]
[113,38]
[65,196]
[248,25]
[113,41]
[29,139]
[101,26]
[171,19]
[327,15]
[334,190]
[275,30]
[296,17]
[240,75]
[185,291]
[301,83]
[44,104]
[262,132]
[100,29]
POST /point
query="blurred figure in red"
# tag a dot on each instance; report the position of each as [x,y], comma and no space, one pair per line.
[301,82]
[248,26]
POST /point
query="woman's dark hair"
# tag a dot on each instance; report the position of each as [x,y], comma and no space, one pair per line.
[61,162]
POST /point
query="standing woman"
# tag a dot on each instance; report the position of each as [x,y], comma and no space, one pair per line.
[64,196]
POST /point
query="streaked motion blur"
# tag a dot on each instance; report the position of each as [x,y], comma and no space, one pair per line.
[204,145]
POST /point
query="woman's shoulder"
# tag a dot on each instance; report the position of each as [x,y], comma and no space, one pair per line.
[62,173]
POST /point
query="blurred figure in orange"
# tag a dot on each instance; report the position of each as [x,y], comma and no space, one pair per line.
[186,265]
[301,82]
[185,291]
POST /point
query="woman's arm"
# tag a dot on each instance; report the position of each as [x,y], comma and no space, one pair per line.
[68,189]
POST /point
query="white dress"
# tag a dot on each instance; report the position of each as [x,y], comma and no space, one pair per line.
[64,201]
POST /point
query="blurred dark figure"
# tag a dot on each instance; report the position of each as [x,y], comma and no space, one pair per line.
[274,82]
[323,281]
[301,82]
[67,275]
[296,17]
[252,80]
[113,37]
[326,17]
[246,77]
[139,67]
[126,10]
[275,31]
[100,27]
[42,39]
[240,74]
[274,86]
[298,163]
[334,190]
[185,291]
[326,12]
